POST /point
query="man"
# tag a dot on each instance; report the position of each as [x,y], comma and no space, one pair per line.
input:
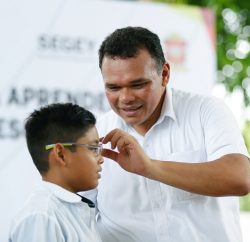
[182,155]
[64,144]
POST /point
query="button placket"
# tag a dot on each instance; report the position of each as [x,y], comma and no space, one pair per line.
[157,203]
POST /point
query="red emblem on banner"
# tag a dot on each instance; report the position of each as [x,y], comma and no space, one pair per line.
[175,50]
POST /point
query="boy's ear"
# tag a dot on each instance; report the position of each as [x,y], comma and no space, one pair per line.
[59,154]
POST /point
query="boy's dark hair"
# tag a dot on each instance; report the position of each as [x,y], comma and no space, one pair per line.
[55,123]
[127,42]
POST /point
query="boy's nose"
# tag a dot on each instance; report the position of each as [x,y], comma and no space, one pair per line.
[100,160]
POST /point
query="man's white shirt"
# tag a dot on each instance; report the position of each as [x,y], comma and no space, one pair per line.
[132,208]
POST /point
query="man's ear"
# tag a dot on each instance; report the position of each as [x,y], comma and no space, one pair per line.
[165,74]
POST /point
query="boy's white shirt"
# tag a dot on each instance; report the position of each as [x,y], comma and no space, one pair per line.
[52,213]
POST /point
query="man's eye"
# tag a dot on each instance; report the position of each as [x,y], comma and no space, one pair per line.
[113,88]
[139,85]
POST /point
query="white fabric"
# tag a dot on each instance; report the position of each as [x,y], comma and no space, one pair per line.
[54,214]
[132,208]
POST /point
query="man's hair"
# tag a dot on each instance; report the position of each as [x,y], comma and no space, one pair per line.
[55,123]
[127,42]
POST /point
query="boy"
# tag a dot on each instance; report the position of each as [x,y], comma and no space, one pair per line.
[63,142]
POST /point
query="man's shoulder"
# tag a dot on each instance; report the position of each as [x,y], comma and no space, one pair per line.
[180,95]
[195,107]
[183,100]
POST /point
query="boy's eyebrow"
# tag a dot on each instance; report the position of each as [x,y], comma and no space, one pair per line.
[90,142]
[95,141]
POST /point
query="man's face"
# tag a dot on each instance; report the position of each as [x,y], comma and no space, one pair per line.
[134,89]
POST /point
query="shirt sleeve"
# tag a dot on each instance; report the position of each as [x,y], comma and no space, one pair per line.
[37,227]
[221,131]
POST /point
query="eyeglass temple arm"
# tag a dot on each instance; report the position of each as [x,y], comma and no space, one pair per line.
[51,146]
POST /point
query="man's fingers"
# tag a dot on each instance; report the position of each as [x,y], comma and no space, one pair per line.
[113,137]
[122,144]
[109,154]
[107,138]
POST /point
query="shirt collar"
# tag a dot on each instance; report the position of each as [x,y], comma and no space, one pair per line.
[167,106]
[64,194]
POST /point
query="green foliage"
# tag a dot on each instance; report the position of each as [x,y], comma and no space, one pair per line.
[246,134]
[245,201]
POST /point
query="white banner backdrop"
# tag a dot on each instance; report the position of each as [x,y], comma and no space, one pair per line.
[49,54]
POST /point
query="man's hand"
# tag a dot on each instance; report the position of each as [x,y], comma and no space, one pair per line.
[226,176]
[129,155]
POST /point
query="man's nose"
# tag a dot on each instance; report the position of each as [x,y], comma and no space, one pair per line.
[126,95]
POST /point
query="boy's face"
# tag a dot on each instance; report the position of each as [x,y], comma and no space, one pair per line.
[84,164]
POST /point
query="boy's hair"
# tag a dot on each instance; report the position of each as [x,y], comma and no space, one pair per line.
[127,42]
[55,123]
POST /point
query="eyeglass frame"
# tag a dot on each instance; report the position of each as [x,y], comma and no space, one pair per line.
[98,147]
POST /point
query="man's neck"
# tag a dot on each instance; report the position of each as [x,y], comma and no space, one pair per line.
[143,128]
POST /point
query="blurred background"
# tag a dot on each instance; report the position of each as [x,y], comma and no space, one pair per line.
[49,54]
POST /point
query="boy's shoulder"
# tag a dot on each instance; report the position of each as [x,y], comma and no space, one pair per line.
[49,213]
[37,207]
[38,201]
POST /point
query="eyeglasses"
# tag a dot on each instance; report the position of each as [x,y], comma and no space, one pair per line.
[95,148]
